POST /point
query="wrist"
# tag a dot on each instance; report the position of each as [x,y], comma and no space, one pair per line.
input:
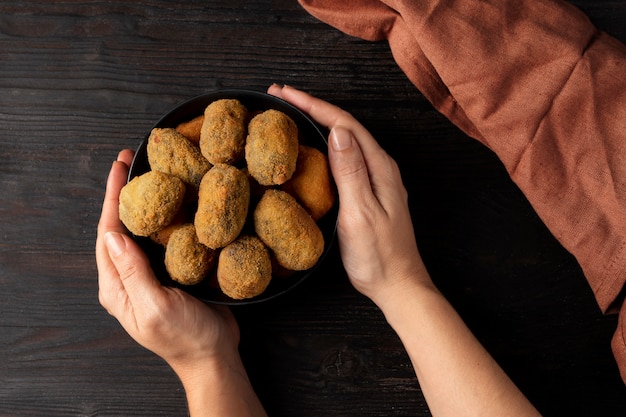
[198,370]
[410,283]
[218,386]
[406,302]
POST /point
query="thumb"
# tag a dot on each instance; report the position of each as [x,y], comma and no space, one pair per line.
[131,264]
[348,166]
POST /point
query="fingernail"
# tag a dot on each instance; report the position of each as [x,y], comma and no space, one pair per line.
[119,155]
[115,243]
[340,138]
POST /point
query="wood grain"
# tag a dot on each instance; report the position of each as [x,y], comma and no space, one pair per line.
[80,80]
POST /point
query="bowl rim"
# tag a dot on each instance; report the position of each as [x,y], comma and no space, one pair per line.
[279,285]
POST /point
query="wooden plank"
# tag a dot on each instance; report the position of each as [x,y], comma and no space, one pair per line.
[80,80]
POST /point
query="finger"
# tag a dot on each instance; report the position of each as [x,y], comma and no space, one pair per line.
[380,168]
[109,221]
[349,168]
[330,116]
[364,177]
[109,218]
[111,292]
[275,90]
[134,270]
[323,112]
[126,156]
[110,287]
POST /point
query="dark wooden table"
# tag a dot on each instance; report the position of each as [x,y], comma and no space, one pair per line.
[79,80]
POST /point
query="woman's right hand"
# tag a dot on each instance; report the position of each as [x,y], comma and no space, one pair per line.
[375,232]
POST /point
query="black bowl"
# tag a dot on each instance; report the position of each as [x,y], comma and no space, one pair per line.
[309,133]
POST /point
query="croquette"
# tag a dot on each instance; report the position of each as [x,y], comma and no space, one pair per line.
[244,268]
[272,147]
[288,230]
[162,236]
[232,198]
[191,129]
[311,184]
[188,261]
[171,152]
[223,202]
[150,201]
[223,133]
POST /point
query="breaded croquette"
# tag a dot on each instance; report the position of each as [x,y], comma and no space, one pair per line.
[171,152]
[288,230]
[231,197]
[191,129]
[223,202]
[223,133]
[272,147]
[150,201]
[311,184]
[244,268]
[162,236]
[188,261]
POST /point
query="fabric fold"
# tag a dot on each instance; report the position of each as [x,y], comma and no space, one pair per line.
[539,85]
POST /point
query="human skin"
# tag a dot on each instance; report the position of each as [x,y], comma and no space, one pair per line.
[456,374]
[199,342]
[379,252]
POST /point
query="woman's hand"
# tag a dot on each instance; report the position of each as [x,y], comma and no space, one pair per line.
[169,322]
[375,232]
[456,374]
[199,342]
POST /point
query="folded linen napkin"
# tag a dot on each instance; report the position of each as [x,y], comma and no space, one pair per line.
[544,89]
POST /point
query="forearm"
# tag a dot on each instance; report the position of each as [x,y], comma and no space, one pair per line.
[456,374]
[220,388]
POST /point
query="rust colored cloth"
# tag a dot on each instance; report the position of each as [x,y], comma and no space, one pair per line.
[539,85]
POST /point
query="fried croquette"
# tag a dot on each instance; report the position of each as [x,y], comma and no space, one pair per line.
[162,236]
[191,129]
[150,201]
[223,202]
[272,147]
[223,133]
[311,184]
[244,268]
[171,152]
[288,230]
[188,261]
